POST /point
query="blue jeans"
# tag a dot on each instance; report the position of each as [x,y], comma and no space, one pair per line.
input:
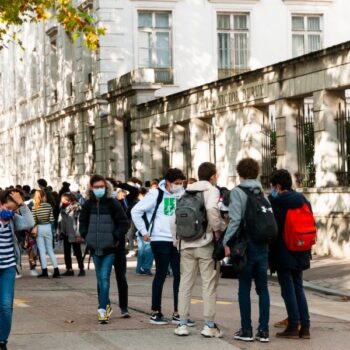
[164,254]
[144,256]
[7,293]
[292,290]
[256,269]
[103,267]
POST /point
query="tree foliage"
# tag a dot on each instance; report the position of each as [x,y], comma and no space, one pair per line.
[74,19]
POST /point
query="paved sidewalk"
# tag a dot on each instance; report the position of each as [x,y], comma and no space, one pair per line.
[61,314]
[329,275]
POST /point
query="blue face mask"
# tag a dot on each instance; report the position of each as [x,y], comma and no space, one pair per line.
[99,192]
[6,214]
[274,193]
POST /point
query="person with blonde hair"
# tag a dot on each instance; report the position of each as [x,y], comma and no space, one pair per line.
[43,216]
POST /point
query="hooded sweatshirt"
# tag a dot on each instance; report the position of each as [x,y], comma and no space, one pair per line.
[166,210]
[238,203]
[215,221]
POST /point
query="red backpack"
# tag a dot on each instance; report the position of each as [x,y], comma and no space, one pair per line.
[299,229]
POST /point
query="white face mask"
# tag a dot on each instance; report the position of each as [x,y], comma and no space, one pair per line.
[176,188]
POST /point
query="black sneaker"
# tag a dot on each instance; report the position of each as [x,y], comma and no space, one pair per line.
[125,313]
[3,346]
[81,273]
[158,318]
[68,273]
[244,334]
[176,320]
[262,336]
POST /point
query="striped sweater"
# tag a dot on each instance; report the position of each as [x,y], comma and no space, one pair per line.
[43,214]
[7,251]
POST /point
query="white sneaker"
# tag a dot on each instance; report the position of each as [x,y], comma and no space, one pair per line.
[18,275]
[33,273]
[212,332]
[181,330]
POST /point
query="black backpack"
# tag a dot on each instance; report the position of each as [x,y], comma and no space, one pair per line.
[259,224]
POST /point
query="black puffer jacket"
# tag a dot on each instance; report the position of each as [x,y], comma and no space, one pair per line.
[102,223]
[280,256]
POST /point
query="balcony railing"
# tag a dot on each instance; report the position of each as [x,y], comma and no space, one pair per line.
[164,75]
[229,72]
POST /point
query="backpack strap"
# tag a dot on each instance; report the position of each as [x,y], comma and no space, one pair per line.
[159,200]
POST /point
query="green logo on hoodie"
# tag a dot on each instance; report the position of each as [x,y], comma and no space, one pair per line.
[169,206]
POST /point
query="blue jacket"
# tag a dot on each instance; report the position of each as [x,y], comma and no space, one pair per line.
[280,257]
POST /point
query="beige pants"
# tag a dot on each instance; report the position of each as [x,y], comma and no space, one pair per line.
[192,260]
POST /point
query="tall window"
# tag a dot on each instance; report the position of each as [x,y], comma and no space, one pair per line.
[306,34]
[233,43]
[154,44]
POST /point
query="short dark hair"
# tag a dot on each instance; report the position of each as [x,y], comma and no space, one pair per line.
[206,170]
[42,183]
[26,188]
[248,168]
[5,196]
[96,178]
[70,196]
[114,182]
[174,174]
[283,178]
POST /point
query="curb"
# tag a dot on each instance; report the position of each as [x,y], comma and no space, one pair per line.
[319,289]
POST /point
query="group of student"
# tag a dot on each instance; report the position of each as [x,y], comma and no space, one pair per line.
[181,225]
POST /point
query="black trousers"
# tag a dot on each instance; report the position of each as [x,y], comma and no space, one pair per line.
[120,275]
[68,254]
[164,254]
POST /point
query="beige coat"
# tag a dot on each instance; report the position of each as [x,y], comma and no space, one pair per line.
[215,221]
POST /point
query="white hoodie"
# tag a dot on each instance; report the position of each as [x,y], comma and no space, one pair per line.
[166,210]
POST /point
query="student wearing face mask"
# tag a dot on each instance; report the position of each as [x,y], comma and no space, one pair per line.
[152,217]
[68,227]
[10,202]
[103,224]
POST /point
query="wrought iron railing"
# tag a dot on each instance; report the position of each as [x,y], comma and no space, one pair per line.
[269,148]
[343,133]
[164,75]
[306,175]
[229,72]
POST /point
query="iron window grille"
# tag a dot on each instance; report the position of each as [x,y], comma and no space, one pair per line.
[343,133]
[306,175]
[268,147]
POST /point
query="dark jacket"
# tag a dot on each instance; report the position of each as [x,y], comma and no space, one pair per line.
[280,256]
[102,223]
[68,221]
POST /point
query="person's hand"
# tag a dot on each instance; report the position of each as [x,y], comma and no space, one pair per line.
[16,196]
[227,251]
[147,238]
[77,239]
[217,235]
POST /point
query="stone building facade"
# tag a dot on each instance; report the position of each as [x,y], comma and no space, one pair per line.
[151,97]
[292,115]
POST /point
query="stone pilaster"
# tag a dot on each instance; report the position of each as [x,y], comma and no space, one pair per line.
[327,105]
[287,112]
